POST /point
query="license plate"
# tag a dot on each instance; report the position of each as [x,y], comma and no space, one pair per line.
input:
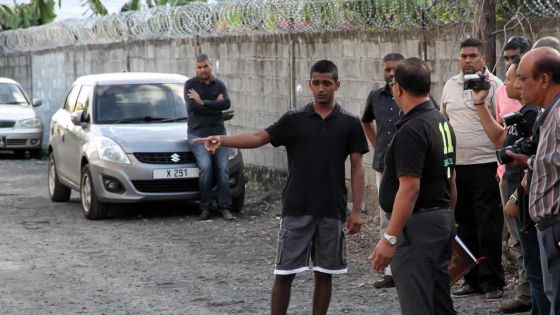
[186,172]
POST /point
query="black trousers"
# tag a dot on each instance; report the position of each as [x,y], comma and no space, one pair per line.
[420,264]
[479,223]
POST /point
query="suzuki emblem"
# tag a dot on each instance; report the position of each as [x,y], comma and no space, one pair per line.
[175,157]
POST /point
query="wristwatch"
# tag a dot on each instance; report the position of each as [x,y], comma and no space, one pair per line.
[513,198]
[390,238]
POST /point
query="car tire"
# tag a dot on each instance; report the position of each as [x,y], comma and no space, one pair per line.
[93,208]
[238,202]
[57,191]
[36,154]
[19,154]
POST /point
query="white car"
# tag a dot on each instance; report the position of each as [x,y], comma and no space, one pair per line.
[20,126]
[122,138]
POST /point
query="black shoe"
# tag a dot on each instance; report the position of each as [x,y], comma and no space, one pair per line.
[465,290]
[494,294]
[226,214]
[204,215]
[385,282]
[514,306]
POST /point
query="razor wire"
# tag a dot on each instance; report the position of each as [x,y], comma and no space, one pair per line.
[254,17]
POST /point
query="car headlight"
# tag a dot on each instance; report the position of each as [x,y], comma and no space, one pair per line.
[109,150]
[233,153]
[28,123]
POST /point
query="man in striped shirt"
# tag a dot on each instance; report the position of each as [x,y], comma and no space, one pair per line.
[538,77]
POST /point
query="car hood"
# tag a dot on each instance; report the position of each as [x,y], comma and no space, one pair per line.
[16,112]
[152,137]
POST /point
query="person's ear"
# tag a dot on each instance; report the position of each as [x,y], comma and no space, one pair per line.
[337,85]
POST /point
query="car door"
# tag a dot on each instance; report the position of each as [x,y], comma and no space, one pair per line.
[60,131]
[75,136]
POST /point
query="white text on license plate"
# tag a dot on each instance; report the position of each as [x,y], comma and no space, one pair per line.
[186,172]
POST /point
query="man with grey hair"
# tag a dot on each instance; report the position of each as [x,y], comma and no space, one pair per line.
[206,98]
[538,78]
[548,41]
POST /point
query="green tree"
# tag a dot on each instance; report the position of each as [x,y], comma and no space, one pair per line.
[38,12]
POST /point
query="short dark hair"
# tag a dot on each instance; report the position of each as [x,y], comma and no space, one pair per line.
[202,57]
[324,66]
[413,75]
[518,42]
[393,57]
[550,64]
[471,42]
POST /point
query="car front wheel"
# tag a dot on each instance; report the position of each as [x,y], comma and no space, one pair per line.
[57,191]
[92,207]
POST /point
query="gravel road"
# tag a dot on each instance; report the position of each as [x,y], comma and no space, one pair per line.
[159,259]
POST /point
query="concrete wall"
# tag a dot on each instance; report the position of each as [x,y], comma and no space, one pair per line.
[266,74]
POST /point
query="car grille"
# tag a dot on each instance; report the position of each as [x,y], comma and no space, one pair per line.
[16,142]
[7,123]
[166,185]
[165,158]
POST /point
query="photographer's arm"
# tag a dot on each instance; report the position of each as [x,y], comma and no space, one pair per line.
[495,132]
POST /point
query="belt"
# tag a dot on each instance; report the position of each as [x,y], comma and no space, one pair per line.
[423,210]
[547,222]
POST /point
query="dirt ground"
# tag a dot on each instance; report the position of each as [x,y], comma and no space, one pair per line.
[159,259]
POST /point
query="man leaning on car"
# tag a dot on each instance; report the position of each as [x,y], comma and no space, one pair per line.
[206,98]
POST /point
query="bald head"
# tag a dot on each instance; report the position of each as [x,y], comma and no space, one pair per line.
[548,41]
[538,76]
[544,60]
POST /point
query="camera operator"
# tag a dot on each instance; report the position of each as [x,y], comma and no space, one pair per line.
[519,127]
[538,78]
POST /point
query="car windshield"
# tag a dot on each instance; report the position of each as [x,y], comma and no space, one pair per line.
[139,103]
[11,94]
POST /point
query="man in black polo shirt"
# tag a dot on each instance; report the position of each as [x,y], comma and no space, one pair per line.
[418,190]
[206,98]
[318,138]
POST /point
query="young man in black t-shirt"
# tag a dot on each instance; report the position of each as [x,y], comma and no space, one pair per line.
[318,138]
[418,190]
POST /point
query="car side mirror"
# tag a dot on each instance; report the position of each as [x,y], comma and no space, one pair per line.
[37,102]
[227,114]
[77,117]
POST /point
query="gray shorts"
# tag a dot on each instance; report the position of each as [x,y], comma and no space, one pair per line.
[309,243]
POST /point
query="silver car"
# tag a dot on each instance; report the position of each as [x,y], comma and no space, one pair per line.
[122,138]
[20,126]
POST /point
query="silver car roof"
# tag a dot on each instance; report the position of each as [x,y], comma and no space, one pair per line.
[118,78]
[6,80]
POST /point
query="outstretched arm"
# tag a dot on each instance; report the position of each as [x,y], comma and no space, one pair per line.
[241,141]
[357,182]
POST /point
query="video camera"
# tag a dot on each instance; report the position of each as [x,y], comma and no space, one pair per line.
[475,82]
[524,145]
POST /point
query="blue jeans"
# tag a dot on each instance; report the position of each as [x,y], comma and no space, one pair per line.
[214,171]
[533,271]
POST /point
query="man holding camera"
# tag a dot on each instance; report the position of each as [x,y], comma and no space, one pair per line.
[514,48]
[538,77]
[477,213]
[515,137]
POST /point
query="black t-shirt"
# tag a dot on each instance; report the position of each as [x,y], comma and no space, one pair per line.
[317,150]
[529,113]
[424,147]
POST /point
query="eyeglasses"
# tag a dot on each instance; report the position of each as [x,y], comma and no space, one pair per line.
[393,82]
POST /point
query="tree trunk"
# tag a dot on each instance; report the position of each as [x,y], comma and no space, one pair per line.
[483,28]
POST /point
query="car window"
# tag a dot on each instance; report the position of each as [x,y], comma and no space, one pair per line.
[115,103]
[70,102]
[83,98]
[11,94]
